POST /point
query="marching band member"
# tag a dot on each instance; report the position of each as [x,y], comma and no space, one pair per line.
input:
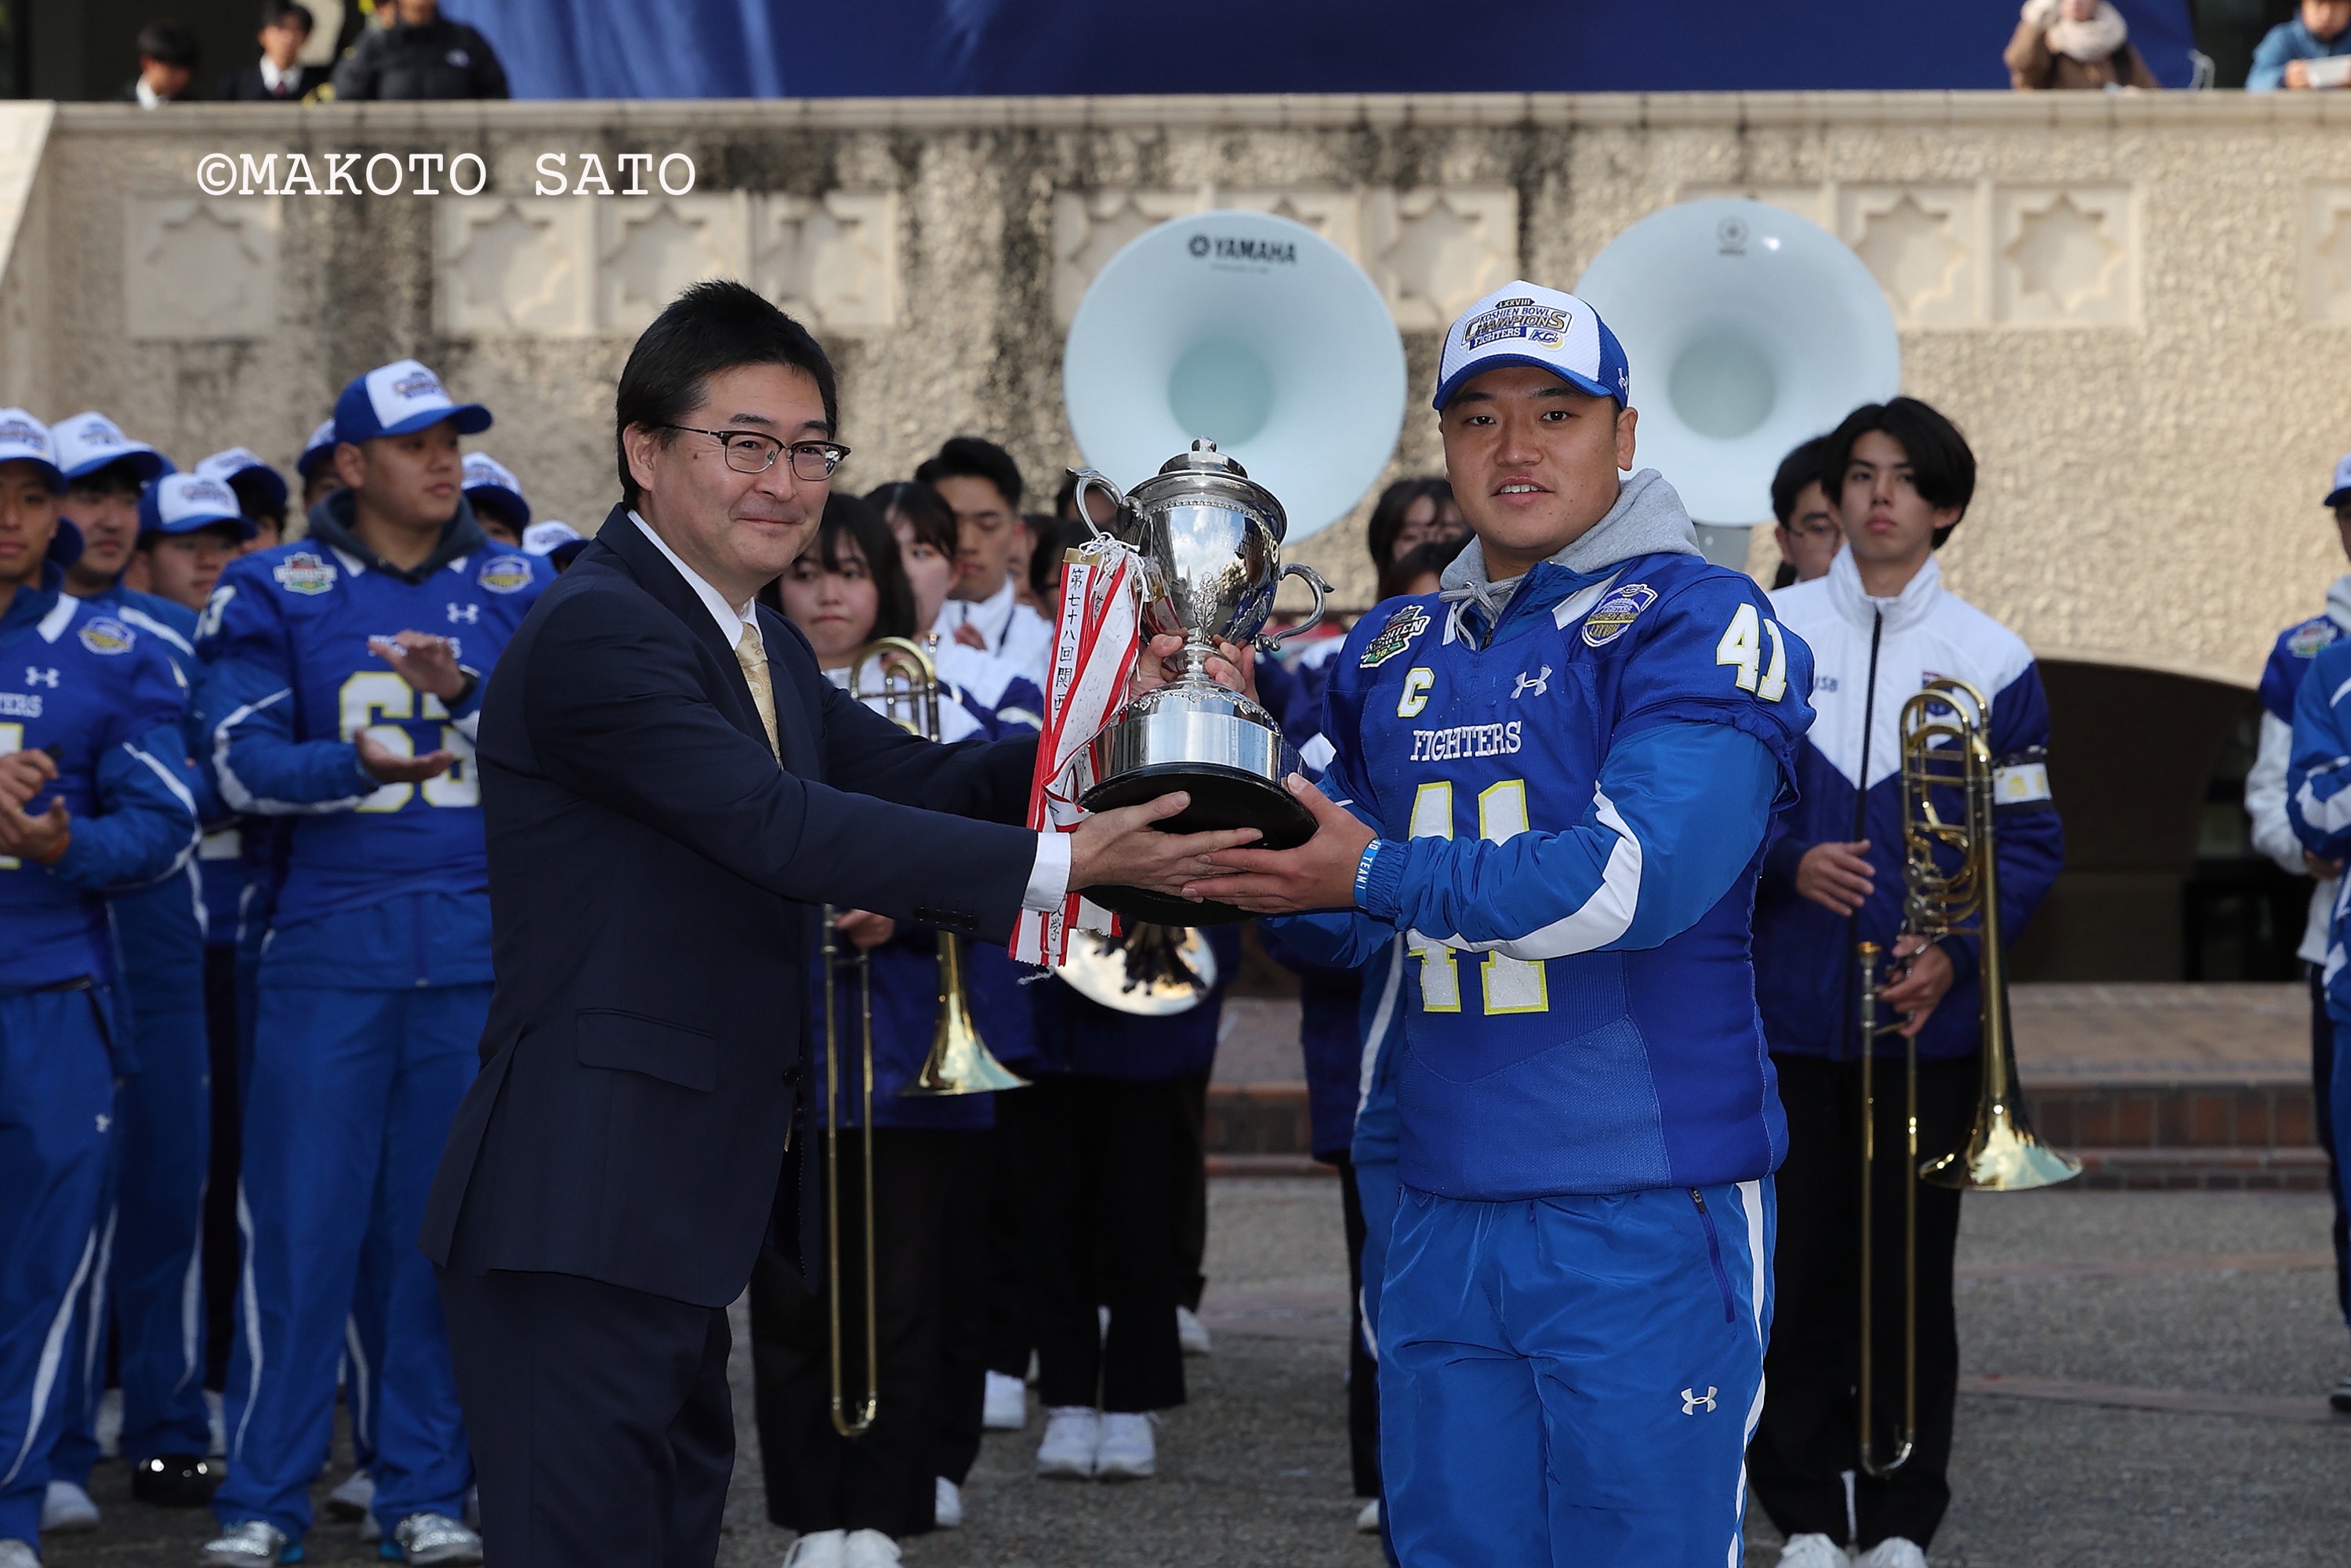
[1803,525]
[1880,624]
[2274,835]
[853,1499]
[1555,778]
[374,986]
[981,484]
[91,797]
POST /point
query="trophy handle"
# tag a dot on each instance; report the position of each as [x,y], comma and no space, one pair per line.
[1314,581]
[1095,479]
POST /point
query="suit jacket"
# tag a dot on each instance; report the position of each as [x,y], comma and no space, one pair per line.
[247,86]
[654,886]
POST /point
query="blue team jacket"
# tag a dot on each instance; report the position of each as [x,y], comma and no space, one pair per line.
[1804,950]
[77,677]
[1571,808]
[2318,795]
[384,884]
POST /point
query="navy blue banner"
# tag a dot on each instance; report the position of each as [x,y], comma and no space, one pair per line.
[776,49]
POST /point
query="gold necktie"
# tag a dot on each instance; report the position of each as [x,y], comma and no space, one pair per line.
[752,654]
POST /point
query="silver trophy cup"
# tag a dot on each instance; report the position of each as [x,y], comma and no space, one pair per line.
[1212,538]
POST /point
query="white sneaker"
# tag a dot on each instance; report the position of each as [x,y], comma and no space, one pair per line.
[1368,1522]
[18,1554]
[1191,1332]
[946,1505]
[354,1497]
[1812,1550]
[1127,1452]
[249,1543]
[1008,1404]
[870,1549]
[1893,1552]
[66,1508]
[435,1538]
[819,1548]
[1072,1434]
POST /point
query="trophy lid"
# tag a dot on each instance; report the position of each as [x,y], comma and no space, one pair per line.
[1206,472]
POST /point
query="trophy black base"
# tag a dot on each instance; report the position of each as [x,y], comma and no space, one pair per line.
[1221,798]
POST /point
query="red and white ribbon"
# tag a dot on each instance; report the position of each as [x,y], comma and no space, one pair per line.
[1093,655]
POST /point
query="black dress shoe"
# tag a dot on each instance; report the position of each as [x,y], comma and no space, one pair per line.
[175,1480]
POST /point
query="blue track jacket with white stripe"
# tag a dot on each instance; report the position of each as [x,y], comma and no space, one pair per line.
[1803,951]
[1572,803]
[75,676]
[2318,795]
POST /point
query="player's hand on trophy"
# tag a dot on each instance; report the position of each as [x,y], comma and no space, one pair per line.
[1161,664]
[1318,874]
[1123,848]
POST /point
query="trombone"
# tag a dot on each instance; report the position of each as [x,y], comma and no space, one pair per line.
[906,692]
[1945,752]
[848,1425]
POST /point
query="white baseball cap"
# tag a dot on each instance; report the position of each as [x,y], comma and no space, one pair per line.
[183,503]
[23,439]
[541,539]
[89,441]
[1524,323]
[226,467]
[485,473]
[401,398]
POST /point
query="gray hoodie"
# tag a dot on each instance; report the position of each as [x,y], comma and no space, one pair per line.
[1648,518]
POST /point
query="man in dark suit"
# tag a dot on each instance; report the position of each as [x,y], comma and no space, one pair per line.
[655,878]
[278,76]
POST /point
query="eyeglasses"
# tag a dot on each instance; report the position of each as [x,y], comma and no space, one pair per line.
[748,454]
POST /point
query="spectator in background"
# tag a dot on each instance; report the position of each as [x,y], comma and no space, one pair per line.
[316,467]
[1420,569]
[1806,531]
[278,76]
[168,56]
[422,55]
[2083,45]
[2320,31]
[1410,513]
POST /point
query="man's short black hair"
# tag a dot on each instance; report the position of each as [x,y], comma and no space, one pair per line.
[967,457]
[168,43]
[715,326]
[276,11]
[1942,466]
[1799,469]
[119,478]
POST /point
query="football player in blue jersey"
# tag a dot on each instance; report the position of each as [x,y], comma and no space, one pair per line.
[1881,623]
[91,798]
[2274,835]
[105,471]
[2318,808]
[163,1111]
[347,671]
[1554,777]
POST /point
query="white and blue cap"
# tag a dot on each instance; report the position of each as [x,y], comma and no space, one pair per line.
[547,538]
[2340,491]
[237,463]
[399,399]
[23,439]
[317,451]
[486,475]
[90,440]
[184,502]
[1524,323]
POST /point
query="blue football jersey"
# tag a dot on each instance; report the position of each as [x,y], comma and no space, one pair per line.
[292,681]
[1572,811]
[77,677]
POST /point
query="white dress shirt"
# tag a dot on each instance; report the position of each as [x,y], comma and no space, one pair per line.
[1049,877]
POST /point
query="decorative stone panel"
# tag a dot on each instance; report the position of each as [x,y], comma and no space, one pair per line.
[2065,256]
[514,265]
[199,268]
[1924,244]
[1092,226]
[1434,252]
[646,252]
[833,262]
[2326,254]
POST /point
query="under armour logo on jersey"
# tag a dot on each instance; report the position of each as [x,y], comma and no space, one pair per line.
[471,614]
[1537,683]
[1693,1403]
[37,676]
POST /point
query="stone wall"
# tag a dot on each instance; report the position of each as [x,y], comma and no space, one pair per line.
[2136,306]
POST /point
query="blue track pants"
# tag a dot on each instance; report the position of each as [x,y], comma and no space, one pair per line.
[1573,1380]
[350,1102]
[56,1107]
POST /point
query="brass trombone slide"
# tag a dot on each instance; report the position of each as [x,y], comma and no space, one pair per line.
[847,1424]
